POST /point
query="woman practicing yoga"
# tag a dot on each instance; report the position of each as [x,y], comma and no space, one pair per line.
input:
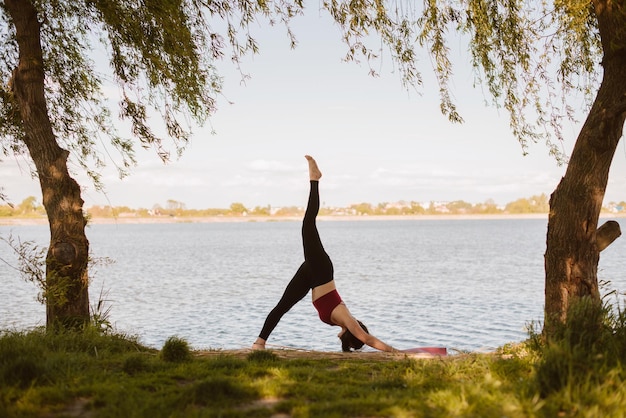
[317,273]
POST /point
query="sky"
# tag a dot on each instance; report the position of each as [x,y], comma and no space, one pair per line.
[374,141]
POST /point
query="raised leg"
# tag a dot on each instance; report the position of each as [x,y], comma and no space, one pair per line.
[314,254]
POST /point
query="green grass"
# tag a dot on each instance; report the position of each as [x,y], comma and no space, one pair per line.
[89,374]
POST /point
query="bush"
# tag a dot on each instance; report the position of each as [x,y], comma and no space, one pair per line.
[583,350]
[175,350]
[262,356]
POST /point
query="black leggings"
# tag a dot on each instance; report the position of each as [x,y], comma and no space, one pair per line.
[316,270]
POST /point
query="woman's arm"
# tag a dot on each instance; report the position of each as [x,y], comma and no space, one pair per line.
[367,338]
[342,316]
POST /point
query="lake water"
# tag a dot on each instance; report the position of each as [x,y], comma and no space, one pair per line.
[464,284]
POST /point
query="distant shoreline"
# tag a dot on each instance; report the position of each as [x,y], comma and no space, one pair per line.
[8,221]
[211,219]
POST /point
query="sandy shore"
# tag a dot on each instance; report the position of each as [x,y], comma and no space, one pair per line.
[337,355]
[208,219]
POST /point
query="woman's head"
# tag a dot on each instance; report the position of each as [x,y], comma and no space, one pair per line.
[349,341]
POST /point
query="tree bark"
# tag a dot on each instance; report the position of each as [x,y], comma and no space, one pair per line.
[67,297]
[572,251]
[607,233]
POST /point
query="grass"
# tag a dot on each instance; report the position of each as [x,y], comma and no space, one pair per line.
[88,374]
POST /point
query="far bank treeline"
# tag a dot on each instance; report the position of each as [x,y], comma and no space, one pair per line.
[30,207]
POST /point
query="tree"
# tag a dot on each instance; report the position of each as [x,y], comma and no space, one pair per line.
[521,205]
[534,204]
[363,208]
[162,57]
[238,209]
[174,207]
[534,58]
[262,210]
[459,206]
[489,206]
[572,252]
[28,206]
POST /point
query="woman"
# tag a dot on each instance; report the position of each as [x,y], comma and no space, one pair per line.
[316,273]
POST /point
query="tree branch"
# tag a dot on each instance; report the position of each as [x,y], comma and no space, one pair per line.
[606,234]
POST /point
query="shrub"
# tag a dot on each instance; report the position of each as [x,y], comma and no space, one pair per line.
[176,350]
[584,349]
[262,356]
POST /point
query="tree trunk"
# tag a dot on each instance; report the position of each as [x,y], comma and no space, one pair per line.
[572,252]
[66,293]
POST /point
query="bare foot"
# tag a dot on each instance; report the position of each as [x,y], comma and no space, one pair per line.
[259,344]
[314,171]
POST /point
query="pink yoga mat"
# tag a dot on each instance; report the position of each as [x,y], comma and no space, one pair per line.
[435,351]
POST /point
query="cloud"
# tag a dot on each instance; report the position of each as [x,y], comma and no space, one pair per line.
[272,166]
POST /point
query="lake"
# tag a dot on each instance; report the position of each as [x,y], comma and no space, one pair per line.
[469,285]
